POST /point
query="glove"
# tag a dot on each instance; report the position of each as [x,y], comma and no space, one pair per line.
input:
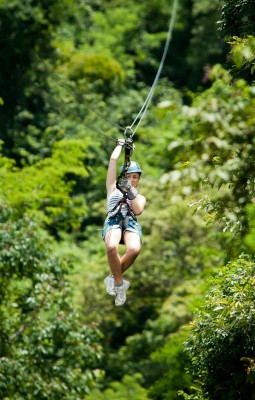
[126,188]
[124,185]
[120,142]
[132,193]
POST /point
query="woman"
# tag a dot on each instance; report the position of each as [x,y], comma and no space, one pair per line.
[121,226]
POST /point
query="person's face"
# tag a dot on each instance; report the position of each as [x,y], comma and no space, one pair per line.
[133,178]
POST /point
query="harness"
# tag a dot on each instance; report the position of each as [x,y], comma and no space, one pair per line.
[123,221]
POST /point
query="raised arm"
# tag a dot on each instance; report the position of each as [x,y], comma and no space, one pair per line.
[112,167]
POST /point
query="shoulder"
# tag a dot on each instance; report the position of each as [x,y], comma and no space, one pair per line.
[111,189]
[113,193]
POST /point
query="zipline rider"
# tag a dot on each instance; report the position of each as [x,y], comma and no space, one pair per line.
[121,226]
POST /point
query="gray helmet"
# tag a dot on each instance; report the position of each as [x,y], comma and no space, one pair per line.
[133,167]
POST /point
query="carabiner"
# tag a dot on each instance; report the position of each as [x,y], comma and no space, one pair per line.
[128,133]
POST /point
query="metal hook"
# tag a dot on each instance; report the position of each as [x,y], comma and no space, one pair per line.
[128,129]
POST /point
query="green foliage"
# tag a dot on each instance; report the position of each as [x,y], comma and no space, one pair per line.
[61,60]
[249,237]
[126,29]
[116,30]
[129,387]
[95,66]
[171,364]
[242,53]
[45,189]
[219,149]
[197,396]
[158,349]
[26,32]
[237,18]
[46,352]
[41,102]
[221,344]
[206,48]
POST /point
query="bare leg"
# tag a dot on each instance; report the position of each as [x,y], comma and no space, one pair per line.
[112,240]
[133,247]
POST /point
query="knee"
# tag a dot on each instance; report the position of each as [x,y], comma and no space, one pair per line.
[112,248]
[134,250]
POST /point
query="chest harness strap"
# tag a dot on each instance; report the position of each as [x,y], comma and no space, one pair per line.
[123,221]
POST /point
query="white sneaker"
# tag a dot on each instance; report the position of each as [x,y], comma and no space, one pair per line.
[121,293]
[110,285]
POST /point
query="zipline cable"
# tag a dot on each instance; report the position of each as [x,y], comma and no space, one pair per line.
[146,104]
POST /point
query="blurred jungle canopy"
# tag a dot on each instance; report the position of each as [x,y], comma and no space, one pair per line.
[73,75]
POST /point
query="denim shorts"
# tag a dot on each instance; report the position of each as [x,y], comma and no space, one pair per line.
[114,223]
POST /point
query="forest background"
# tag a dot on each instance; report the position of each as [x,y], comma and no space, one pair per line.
[73,74]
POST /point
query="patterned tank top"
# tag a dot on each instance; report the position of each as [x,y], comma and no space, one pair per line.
[112,200]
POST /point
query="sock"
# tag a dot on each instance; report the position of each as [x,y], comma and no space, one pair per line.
[120,284]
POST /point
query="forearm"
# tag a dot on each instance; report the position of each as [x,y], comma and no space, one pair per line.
[138,204]
[112,168]
[116,153]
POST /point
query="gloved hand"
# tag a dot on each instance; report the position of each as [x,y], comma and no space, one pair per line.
[127,143]
[120,142]
[125,187]
[132,193]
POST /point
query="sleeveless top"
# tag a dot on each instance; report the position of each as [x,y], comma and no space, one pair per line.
[112,200]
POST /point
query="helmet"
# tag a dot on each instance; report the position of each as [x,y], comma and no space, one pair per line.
[133,167]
